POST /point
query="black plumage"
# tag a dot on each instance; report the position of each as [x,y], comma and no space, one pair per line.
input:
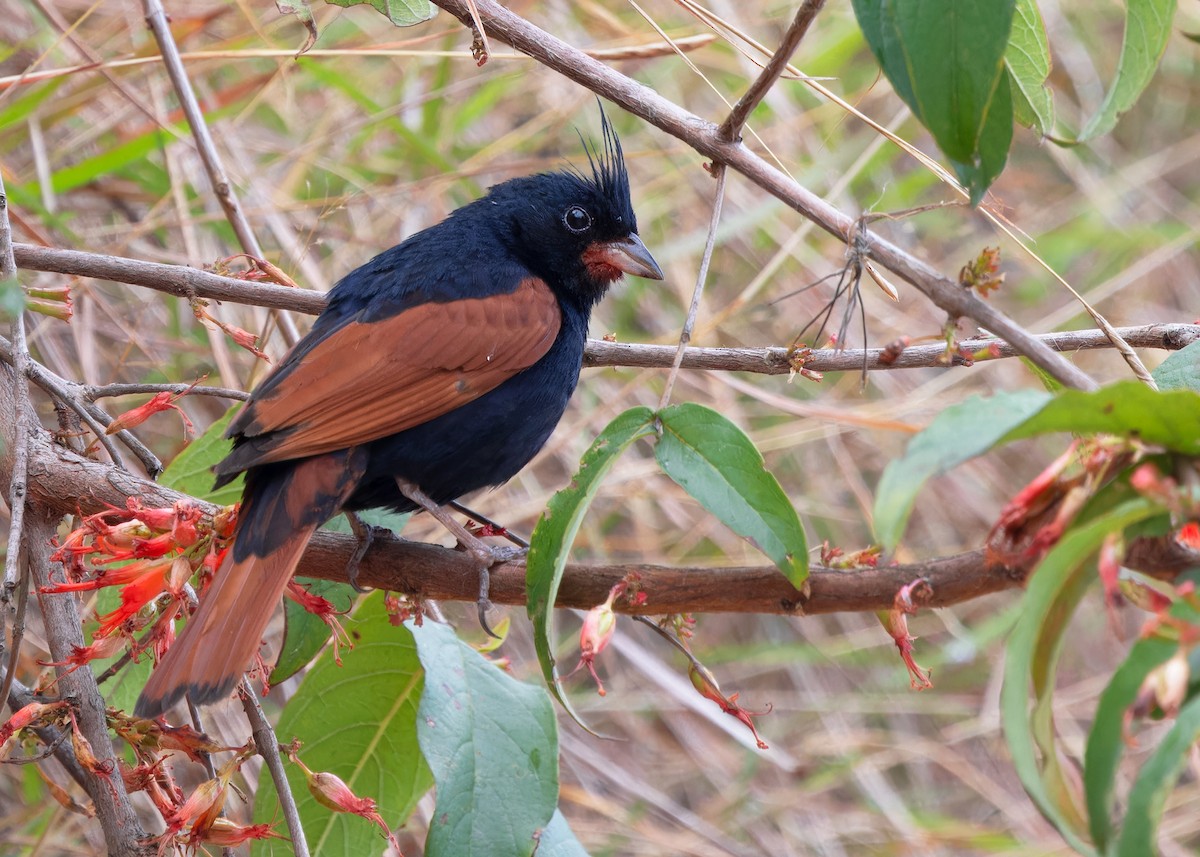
[446,361]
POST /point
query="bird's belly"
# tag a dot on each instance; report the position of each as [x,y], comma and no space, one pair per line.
[481,444]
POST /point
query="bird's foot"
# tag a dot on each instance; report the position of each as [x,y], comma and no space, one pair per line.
[365,533]
[484,555]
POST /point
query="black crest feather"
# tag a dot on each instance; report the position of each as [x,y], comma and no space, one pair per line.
[607,162]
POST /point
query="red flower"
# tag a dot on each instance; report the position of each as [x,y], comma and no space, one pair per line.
[331,792]
[706,684]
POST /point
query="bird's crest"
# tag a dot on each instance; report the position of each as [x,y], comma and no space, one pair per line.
[608,163]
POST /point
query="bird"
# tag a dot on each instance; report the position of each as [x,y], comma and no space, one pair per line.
[438,368]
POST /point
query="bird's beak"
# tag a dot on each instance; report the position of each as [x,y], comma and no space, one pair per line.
[628,255]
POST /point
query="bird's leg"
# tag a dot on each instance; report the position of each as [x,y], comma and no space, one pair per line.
[484,554]
[365,533]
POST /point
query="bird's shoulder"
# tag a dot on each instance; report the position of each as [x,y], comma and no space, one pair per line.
[459,258]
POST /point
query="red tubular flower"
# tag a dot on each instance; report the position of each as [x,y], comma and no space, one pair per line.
[224,833]
[203,803]
[136,595]
[1189,535]
[331,792]
[322,608]
[80,655]
[895,622]
[33,714]
[156,518]
[706,683]
[158,403]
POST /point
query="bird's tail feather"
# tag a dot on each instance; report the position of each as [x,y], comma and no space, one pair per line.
[282,507]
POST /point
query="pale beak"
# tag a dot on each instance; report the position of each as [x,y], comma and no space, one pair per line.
[628,255]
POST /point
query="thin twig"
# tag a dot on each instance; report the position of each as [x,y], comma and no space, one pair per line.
[18,697]
[268,748]
[178,280]
[731,128]
[685,336]
[704,137]
[156,19]
[91,392]
[70,394]
[185,282]
[198,723]
[777,360]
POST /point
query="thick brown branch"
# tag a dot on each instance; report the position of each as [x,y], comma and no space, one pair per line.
[66,483]
[123,834]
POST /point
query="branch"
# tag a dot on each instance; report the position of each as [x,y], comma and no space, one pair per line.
[24,419]
[706,139]
[66,483]
[74,395]
[187,282]
[175,280]
[123,833]
[156,19]
[731,128]
[268,747]
[780,361]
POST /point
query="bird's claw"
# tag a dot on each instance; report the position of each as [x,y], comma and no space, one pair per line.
[365,533]
[487,556]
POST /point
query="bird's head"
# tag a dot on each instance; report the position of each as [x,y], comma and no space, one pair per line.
[577,231]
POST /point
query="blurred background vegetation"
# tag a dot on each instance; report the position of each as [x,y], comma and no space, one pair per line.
[378,132]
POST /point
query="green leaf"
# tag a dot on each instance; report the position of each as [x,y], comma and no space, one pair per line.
[402,13]
[1181,370]
[714,461]
[191,471]
[1032,657]
[1154,784]
[1128,409]
[958,434]
[945,58]
[1106,741]
[550,544]
[1147,28]
[12,298]
[492,744]
[358,721]
[1028,61]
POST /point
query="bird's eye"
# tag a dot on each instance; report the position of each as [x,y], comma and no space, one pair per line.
[577,219]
